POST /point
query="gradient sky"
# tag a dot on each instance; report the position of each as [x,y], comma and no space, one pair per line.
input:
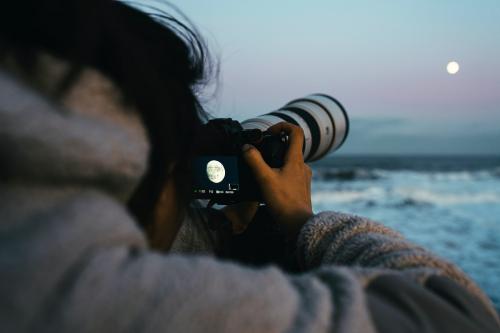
[384,60]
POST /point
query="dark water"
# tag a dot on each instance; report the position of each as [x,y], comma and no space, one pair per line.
[450,205]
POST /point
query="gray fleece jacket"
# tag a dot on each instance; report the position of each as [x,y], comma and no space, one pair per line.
[72,259]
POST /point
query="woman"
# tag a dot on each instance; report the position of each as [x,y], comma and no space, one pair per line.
[98,110]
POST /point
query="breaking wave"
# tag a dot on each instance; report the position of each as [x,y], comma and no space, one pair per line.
[402,197]
[446,199]
[355,174]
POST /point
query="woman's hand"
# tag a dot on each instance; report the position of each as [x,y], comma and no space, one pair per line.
[240,215]
[286,191]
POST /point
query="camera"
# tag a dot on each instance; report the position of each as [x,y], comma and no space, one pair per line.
[220,173]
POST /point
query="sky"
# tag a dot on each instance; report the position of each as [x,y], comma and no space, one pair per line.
[384,60]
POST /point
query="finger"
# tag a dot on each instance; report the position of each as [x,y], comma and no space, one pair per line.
[244,210]
[241,214]
[309,171]
[241,208]
[296,139]
[254,159]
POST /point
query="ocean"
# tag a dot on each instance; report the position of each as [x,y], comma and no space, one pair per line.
[450,205]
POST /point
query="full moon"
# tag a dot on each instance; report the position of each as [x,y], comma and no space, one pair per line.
[215,171]
[453,67]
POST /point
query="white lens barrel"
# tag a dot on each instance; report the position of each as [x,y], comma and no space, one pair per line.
[319,123]
[265,121]
[322,118]
[339,116]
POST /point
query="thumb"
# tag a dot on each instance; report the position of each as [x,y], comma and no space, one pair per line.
[254,159]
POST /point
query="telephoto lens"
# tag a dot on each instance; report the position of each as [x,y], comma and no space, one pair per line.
[322,118]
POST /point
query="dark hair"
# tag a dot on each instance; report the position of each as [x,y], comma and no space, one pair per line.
[154,59]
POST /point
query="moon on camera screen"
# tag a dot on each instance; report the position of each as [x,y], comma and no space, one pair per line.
[215,171]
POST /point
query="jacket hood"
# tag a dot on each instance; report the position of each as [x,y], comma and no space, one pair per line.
[46,143]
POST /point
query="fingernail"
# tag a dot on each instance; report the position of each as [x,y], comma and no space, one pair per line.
[246,147]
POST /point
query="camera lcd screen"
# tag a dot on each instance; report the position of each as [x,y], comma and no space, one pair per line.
[216,175]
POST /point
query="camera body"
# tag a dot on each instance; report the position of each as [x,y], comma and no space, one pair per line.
[220,173]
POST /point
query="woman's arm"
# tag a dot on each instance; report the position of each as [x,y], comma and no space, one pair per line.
[401,281]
